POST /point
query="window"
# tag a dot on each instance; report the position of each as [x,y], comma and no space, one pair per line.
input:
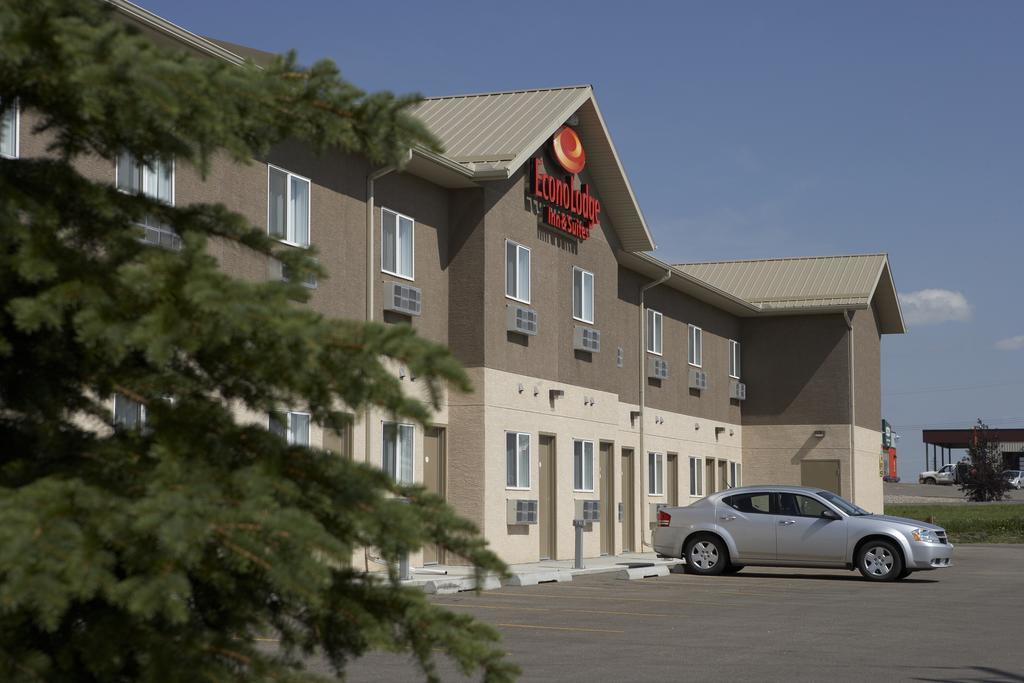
[696,477]
[517,272]
[734,474]
[800,506]
[582,465]
[128,413]
[291,426]
[734,359]
[759,503]
[517,460]
[396,244]
[9,131]
[655,474]
[696,340]
[583,295]
[155,181]
[288,206]
[398,451]
[653,331]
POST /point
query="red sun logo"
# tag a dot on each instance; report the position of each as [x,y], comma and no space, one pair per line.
[569,150]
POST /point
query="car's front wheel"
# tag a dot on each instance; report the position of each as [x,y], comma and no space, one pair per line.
[929,480]
[879,560]
[706,554]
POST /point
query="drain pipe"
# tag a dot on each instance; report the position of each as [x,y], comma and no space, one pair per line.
[848,319]
[642,456]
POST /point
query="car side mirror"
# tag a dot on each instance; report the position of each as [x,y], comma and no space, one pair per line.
[828,514]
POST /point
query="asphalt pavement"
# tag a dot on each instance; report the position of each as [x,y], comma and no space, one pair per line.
[957,624]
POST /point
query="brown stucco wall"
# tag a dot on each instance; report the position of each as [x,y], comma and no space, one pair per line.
[467,327]
[796,369]
[867,369]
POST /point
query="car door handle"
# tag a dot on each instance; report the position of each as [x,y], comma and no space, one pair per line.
[787,522]
[729,518]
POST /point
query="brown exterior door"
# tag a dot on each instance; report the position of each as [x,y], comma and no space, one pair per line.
[672,479]
[546,507]
[709,476]
[723,475]
[433,479]
[821,474]
[607,498]
[627,500]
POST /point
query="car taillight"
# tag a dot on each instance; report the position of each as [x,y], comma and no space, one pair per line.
[664,518]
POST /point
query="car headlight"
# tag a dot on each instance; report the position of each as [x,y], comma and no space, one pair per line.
[925,536]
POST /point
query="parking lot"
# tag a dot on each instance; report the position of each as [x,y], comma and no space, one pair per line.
[959,624]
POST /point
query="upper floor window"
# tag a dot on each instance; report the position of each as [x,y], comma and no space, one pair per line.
[583,295]
[582,465]
[155,180]
[734,359]
[128,413]
[399,450]
[291,426]
[655,474]
[517,272]
[517,460]
[696,342]
[288,206]
[9,120]
[654,320]
[397,250]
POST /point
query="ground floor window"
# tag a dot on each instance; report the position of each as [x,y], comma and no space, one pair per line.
[399,448]
[517,460]
[292,426]
[582,465]
[655,474]
[734,474]
[696,476]
[128,413]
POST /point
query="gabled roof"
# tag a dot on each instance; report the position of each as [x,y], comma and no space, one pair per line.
[492,135]
[809,284]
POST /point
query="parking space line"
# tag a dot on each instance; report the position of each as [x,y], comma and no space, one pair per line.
[532,596]
[561,610]
[561,628]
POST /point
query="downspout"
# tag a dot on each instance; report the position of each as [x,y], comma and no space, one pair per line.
[848,319]
[642,455]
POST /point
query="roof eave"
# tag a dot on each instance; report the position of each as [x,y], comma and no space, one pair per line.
[158,23]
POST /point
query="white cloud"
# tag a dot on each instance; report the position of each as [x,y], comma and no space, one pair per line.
[1011,343]
[930,306]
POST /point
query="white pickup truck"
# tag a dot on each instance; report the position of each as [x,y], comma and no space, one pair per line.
[944,475]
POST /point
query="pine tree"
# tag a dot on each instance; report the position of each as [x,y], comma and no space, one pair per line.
[160,554]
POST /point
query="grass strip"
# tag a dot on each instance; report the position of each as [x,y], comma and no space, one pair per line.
[969,523]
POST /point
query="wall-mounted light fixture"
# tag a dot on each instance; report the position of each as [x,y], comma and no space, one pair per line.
[819,433]
[536,390]
[696,426]
[401,372]
[520,388]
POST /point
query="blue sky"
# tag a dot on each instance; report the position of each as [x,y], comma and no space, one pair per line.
[755,129]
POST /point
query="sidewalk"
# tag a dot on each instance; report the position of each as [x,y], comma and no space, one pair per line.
[457,578]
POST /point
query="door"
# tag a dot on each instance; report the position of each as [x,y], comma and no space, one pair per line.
[433,479]
[607,489]
[627,500]
[748,518]
[672,479]
[546,506]
[723,475]
[709,476]
[803,535]
[821,474]
[945,475]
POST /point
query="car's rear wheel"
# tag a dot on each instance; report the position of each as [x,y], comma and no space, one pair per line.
[706,555]
[879,560]
[929,480]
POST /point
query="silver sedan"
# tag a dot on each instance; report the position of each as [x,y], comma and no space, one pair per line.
[796,526]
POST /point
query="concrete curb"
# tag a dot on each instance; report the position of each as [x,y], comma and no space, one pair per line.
[458,584]
[648,572]
[533,578]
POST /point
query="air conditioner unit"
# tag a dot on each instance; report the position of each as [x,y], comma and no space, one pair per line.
[521,320]
[521,511]
[657,368]
[588,510]
[738,390]
[586,339]
[698,379]
[402,299]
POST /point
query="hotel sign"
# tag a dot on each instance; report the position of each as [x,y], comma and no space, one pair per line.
[571,210]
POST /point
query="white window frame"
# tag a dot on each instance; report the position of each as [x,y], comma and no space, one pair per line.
[586,466]
[119,418]
[695,338]
[16,132]
[735,474]
[734,359]
[411,277]
[583,278]
[696,483]
[520,485]
[289,229]
[145,180]
[518,282]
[398,455]
[659,319]
[656,484]
[289,426]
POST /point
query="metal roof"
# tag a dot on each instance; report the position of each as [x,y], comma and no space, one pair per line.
[808,284]
[1010,440]
[493,134]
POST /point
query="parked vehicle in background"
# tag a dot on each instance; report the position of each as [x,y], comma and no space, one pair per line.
[796,526]
[947,474]
[1015,478]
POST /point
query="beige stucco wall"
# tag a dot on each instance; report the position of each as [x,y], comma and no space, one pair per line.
[867,444]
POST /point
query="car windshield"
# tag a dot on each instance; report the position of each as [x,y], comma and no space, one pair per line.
[843,504]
